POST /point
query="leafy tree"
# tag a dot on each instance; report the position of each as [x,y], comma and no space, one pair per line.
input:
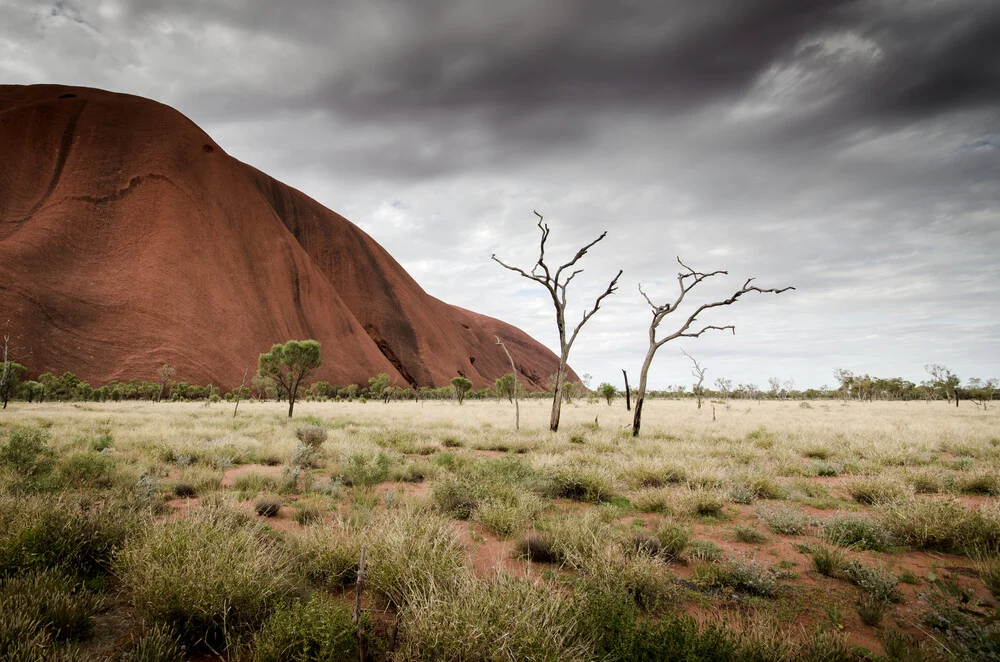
[32,390]
[461,386]
[165,373]
[289,364]
[11,374]
[505,386]
[378,385]
[607,391]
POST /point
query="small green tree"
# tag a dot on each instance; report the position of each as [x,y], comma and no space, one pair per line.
[461,386]
[607,391]
[32,390]
[11,374]
[505,386]
[377,387]
[289,364]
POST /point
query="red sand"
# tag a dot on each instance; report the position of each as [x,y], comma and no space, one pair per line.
[129,239]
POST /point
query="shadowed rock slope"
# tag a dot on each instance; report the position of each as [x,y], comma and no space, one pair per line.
[129,238]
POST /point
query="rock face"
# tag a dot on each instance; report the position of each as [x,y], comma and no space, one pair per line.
[129,238]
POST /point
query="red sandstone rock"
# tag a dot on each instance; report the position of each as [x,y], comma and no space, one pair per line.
[128,238]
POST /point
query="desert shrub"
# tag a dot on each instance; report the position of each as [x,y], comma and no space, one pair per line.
[207,579]
[652,501]
[578,484]
[184,490]
[762,486]
[926,482]
[158,644]
[455,497]
[23,638]
[979,482]
[327,556]
[673,539]
[876,583]
[27,457]
[53,600]
[876,490]
[644,543]
[83,470]
[784,521]
[741,493]
[703,503]
[871,609]
[254,482]
[506,516]
[703,550]
[307,513]
[816,452]
[639,576]
[311,435]
[740,573]
[857,532]
[537,547]
[40,533]
[319,630]
[499,618]
[451,441]
[828,561]
[643,475]
[941,525]
[366,469]
[827,469]
[267,506]
[748,533]
[410,551]
[988,569]
[966,636]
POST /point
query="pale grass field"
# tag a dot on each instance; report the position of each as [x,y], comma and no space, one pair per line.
[782,471]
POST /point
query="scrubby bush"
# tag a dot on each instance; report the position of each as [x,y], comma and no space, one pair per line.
[27,457]
[53,600]
[828,561]
[578,484]
[946,526]
[784,521]
[748,533]
[327,556]
[311,435]
[206,578]
[673,539]
[158,644]
[740,573]
[876,490]
[84,470]
[308,513]
[409,551]
[857,532]
[267,506]
[495,619]
[319,630]
[366,469]
[703,550]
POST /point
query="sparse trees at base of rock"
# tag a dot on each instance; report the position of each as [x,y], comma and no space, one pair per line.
[289,364]
[461,386]
[607,391]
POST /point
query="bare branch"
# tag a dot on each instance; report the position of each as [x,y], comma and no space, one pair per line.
[612,287]
[709,327]
[649,301]
[580,253]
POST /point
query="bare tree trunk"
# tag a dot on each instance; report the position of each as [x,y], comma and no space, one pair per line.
[239,392]
[557,393]
[628,394]
[517,407]
[640,396]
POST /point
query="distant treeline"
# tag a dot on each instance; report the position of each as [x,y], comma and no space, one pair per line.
[69,388]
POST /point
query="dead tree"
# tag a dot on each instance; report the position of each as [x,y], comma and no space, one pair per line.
[699,372]
[513,368]
[628,393]
[556,285]
[687,280]
[239,391]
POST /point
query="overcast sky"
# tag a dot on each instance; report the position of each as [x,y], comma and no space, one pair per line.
[848,148]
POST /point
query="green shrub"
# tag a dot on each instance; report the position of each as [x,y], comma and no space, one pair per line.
[828,561]
[53,600]
[255,482]
[579,484]
[366,469]
[748,533]
[308,513]
[304,456]
[319,630]
[740,573]
[328,557]
[857,532]
[184,490]
[455,497]
[311,435]
[703,503]
[644,475]
[827,469]
[504,517]
[207,578]
[410,551]
[495,619]
[23,638]
[980,482]
[871,609]
[83,470]
[673,538]
[158,644]
[784,521]
[27,456]
[876,583]
[966,636]
[267,506]
[703,550]
[877,490]
[38,533]
[946,526]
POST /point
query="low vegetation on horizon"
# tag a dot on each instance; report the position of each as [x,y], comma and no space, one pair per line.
[774,530]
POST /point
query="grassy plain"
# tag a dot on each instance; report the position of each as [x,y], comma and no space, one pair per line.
[776,531]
